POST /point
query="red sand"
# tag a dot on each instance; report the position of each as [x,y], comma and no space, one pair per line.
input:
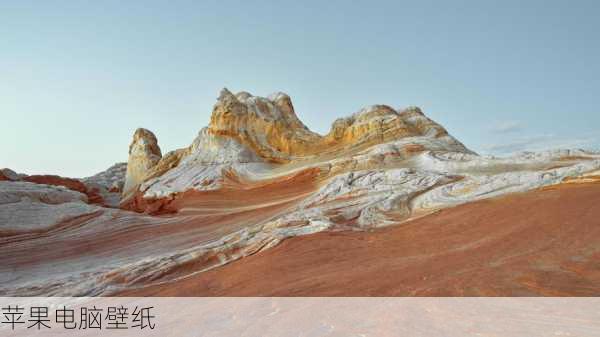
[545,242]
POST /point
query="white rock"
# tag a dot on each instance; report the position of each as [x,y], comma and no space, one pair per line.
[15,191]
[109,183]
[27,215]
[29,206]
[369,194]
[204,167]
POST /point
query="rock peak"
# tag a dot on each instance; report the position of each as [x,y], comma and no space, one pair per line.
[146,139]
[267,125]
[225,95]
[271,127]
[144,153]
[247,129]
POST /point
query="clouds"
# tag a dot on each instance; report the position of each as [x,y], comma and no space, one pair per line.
[517,144]
[590,141]
[511,136]
[507,127]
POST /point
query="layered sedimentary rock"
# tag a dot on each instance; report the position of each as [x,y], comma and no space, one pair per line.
[541,242]
[72,184]
[271,128]
[255,176]
[106,187]
[7,174]
[144,153]
[39,203]
[258,137]
[26,206]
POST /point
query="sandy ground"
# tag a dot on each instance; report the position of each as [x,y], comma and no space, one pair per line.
[544,242]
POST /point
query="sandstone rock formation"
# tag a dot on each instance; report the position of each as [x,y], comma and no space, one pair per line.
[26,206]
[144,153]
[255,176]
[270,127]
[527,244]
[107,185]
[7,174]
[3,177]
[103,189]
[38,203]
[256,136]
[72,184]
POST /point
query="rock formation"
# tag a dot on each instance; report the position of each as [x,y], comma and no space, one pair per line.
[144,154]
[253,135]
[253,177]
[41,202]
[106,187]
[72,184]
[26,206]
[7,174]
[270,127]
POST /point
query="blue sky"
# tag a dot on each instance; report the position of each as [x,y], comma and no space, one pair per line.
[79,76]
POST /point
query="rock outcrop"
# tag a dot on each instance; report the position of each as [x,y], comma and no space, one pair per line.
[26,206]
[54,180]
[271,128]
[253,177]
[144,154]
[103,189]
[253,135]
[106,187]
[7,174]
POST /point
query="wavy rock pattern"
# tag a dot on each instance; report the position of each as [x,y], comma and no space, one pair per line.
[255,176]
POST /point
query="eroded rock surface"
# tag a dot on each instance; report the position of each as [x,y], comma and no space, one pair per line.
[106,187]
[144,153]
[26,206]
[253,177]
[271,128]
[538,243]
[7,174]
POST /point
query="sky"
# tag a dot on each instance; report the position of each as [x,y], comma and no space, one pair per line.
[78,77]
